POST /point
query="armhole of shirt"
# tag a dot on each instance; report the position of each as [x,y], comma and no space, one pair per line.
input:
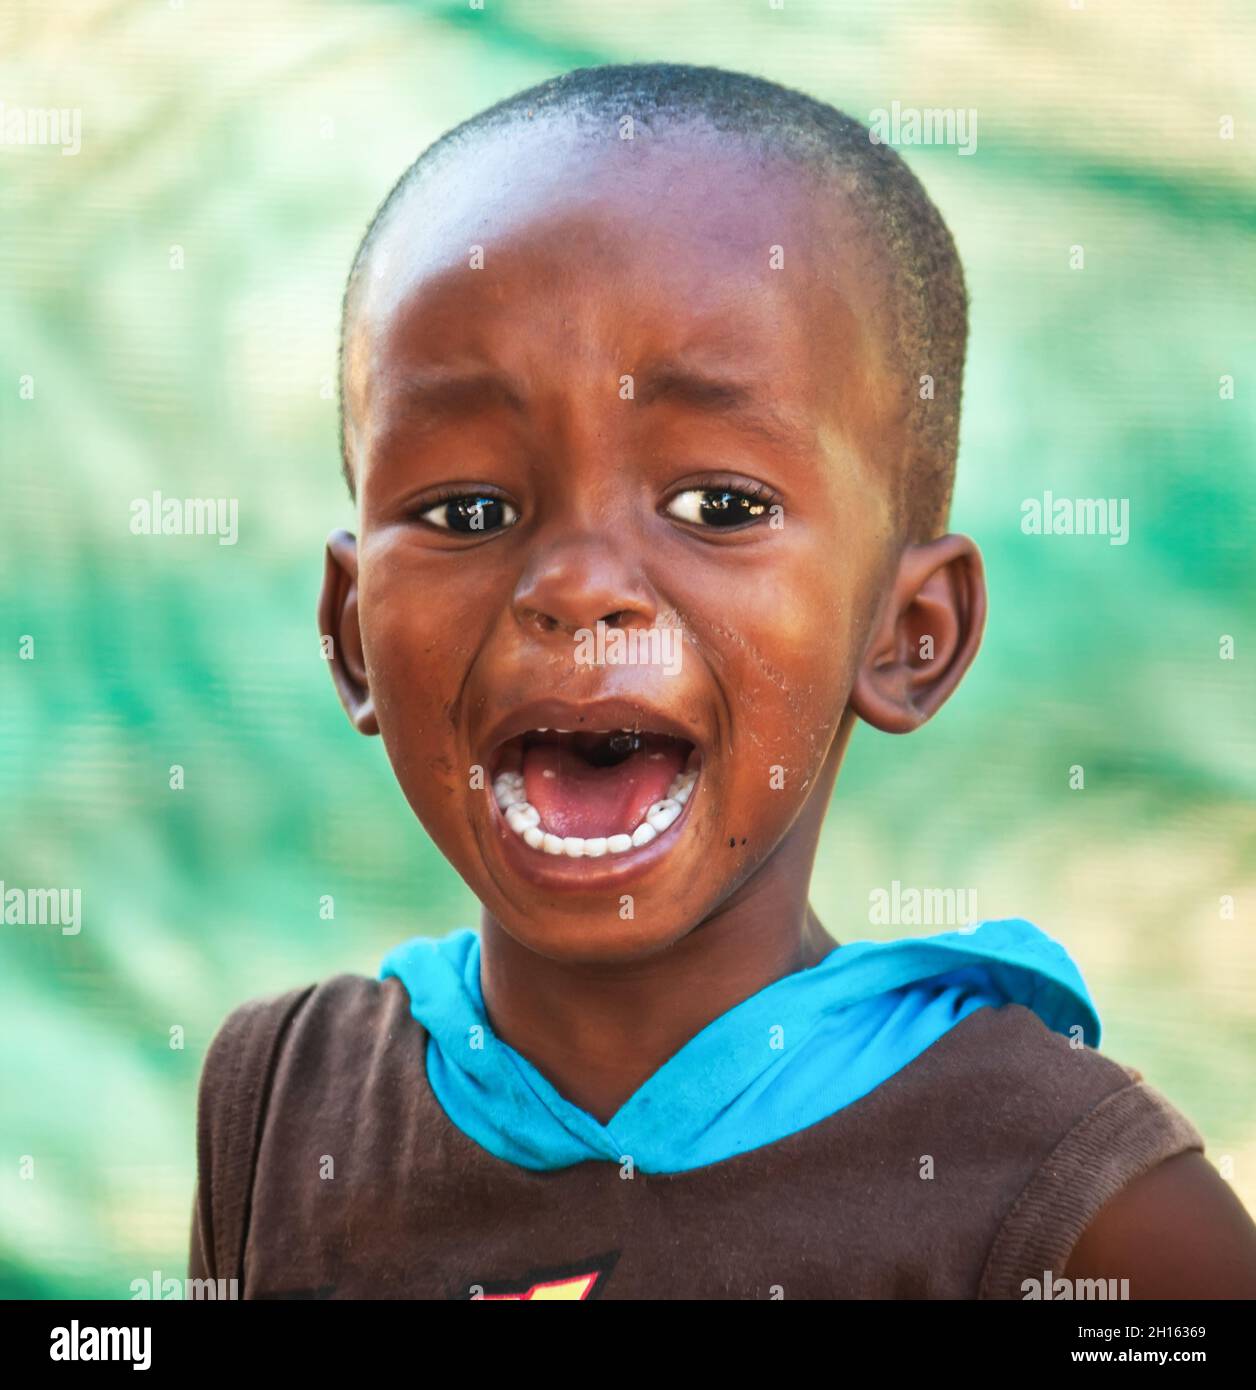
[235,1089]
[1128,1133]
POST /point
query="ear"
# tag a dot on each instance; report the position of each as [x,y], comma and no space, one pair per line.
[342,636]
[925,635]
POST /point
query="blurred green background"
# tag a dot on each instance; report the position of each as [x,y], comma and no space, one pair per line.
[259,139]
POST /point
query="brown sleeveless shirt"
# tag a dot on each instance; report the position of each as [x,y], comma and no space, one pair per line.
[327,1169]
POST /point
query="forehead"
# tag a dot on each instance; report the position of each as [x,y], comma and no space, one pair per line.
[604,256]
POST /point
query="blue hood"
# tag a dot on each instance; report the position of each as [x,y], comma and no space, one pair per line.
[799,1050]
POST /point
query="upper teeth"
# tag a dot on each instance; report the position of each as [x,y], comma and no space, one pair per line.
[525,820]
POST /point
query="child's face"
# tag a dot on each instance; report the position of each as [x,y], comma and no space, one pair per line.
[627,355]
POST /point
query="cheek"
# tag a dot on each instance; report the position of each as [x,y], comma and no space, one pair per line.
[412,648]
[795,681]
[784,656]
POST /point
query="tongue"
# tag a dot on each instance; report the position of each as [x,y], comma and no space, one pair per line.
[574,797]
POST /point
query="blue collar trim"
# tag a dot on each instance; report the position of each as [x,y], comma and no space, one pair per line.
[799,1050]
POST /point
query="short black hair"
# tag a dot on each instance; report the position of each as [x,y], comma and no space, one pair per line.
[928,302]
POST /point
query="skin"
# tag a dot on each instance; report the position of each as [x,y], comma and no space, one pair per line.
[1178,1231]
[650,259]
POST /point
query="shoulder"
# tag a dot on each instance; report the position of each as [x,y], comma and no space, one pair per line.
[994,1096]
[313,1025]
[1120,1180]
[270,1059]
[1017,1075]
[271,1048]
[1176,1231]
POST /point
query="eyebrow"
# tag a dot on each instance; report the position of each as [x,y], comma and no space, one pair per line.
[438,395]
[736,400]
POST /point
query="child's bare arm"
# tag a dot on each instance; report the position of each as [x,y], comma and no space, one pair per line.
[1177,1231]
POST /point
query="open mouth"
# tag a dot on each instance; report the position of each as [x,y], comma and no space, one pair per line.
[597,792]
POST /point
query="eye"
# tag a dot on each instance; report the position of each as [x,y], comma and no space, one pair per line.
[472,514]
[716,506]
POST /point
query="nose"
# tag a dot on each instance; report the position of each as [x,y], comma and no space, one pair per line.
[579,580]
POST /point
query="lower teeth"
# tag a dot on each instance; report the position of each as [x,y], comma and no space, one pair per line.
[525,820]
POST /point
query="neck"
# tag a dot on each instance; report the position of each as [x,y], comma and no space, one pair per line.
[597,1033]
